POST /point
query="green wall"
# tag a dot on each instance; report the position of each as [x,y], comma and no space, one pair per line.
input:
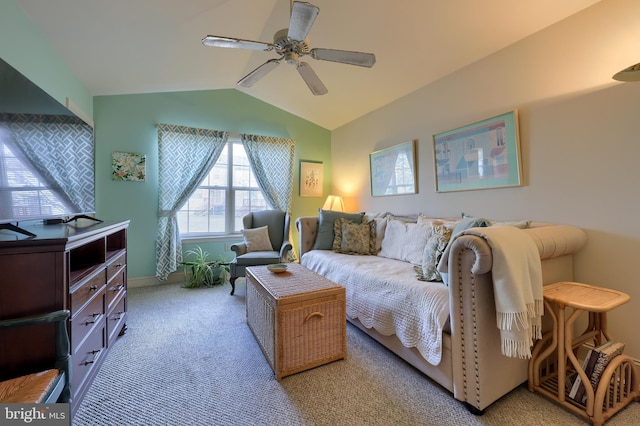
[127,123]
[23,47]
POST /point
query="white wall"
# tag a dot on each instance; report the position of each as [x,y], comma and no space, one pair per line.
[580,143]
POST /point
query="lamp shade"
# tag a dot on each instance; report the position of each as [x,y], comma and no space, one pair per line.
[334,202]
[629,74]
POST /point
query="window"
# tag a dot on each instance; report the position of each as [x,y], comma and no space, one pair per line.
[22,194]
[228,192]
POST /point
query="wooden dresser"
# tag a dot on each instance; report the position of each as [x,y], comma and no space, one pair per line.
[76,266]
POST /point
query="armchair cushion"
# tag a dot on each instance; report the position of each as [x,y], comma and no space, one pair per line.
[257,239]
[256,258]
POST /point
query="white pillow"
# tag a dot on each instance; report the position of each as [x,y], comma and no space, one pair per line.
[257,239]
[404,241]
[381,224]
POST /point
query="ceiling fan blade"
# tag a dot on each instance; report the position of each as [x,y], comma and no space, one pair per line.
[236,43]
[344,57]
[311,78]
[303,15]
[255,75]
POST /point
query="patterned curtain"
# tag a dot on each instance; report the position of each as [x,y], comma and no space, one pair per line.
[271,160]
[49,143]
[185,156]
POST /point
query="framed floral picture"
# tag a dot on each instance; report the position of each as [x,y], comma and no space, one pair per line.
[311,178]
[128,166]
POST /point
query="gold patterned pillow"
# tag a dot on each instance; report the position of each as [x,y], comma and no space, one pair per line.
[354,238]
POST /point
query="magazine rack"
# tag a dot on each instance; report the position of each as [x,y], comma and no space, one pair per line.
[554,356]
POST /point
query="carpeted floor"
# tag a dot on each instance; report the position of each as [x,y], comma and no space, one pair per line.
[189,358]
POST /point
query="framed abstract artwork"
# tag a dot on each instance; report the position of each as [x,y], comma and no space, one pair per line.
[311,178]
[393,170]
[481,155]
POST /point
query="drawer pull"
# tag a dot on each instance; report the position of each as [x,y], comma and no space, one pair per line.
[119,316]
[118,288]
[94,352]
[314,314]
[117,265]
[93,288]
[95,318]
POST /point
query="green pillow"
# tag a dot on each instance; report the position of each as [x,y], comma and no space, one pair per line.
[469,222]
[327,218]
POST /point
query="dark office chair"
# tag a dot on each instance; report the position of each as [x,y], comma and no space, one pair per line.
[278,227]
[48,386]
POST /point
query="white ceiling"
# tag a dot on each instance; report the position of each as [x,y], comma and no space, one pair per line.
[143,46]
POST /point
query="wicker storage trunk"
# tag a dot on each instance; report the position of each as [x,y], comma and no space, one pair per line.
[297,317]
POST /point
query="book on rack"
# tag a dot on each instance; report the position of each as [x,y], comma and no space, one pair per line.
[578,390]
[605,356]
[595,362]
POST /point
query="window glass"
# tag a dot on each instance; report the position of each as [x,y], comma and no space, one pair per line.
[217,208]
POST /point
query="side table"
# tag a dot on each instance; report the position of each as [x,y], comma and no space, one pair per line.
[554,356]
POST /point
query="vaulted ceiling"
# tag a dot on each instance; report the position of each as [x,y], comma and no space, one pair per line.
[143,46]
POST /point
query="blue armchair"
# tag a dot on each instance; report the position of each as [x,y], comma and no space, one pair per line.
[278,227]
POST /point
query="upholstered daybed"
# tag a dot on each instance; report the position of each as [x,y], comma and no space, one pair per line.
[447,328]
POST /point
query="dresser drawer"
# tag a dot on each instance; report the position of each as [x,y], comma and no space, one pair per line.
[114,265]
[86,357]
[93,285]
[116,318]
[116,287]
[91,316]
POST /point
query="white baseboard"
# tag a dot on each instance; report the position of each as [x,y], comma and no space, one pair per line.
[175,277]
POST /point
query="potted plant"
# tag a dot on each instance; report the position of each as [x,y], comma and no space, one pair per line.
[204,272]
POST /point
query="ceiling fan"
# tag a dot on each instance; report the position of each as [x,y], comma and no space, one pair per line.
[291,44]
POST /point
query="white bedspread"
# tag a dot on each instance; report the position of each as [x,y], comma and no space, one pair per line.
[386,295]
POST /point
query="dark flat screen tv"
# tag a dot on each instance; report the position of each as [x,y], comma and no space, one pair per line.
[46,156]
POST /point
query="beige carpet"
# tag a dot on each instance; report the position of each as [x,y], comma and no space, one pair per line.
[190,359]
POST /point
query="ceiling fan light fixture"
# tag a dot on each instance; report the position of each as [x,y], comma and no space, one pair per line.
[629,74]
[292,44]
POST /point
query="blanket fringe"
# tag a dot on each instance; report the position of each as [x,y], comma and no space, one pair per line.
[516,349]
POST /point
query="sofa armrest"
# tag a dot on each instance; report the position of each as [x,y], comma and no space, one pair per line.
[481,374]
[307,227]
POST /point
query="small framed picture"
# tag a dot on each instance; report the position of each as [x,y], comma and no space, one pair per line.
[128,166]
[311,178]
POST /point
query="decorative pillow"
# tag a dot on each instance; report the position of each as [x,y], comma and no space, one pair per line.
[437,242]
[354,238]
[326,220]
[470,222]
[404,241]
[381,224]
[257,239]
